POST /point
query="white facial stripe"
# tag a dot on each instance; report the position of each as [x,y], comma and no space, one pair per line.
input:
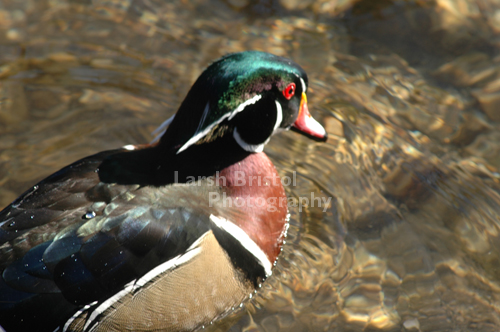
[279,115]
[204,116]
[245,145]
[132,286]
[158,132]
[304,87]
[199,135]
[242,106]
[244,240]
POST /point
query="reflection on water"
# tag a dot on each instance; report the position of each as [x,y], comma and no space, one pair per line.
[409,91]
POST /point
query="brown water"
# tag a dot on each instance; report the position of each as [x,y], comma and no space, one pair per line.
[409,91]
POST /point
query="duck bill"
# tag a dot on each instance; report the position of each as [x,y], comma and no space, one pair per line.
[307,125]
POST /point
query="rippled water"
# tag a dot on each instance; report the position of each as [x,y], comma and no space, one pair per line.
[408,90]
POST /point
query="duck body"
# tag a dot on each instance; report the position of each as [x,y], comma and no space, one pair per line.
[163,237]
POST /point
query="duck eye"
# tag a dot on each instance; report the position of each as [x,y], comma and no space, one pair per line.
[289,91]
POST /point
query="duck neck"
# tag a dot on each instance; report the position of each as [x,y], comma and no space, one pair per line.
[201,160]
[254,187]
[161,164]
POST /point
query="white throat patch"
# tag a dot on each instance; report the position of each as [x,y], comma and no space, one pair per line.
[245,145]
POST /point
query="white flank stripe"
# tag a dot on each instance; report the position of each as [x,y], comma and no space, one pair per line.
[199,135]
[108,303]
[158,132]
[279,115]
[304,87]
[244,240]
[132,286]
[245,145]
[192,251]
[78,313]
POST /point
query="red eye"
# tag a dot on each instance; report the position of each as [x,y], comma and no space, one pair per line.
[289,91]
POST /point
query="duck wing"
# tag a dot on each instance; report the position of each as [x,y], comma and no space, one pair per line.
[72,242]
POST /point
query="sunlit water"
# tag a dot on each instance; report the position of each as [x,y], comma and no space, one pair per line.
[408,90]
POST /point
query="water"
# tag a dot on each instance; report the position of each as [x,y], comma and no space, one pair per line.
[408,91]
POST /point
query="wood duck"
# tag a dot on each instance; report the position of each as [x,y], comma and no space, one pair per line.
[167,236]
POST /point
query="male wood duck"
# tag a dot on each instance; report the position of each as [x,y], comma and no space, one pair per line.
[167,236]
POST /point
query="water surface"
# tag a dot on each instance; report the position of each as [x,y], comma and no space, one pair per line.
[408,90]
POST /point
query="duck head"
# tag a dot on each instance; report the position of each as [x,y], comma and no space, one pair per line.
[248,96]
[231,111]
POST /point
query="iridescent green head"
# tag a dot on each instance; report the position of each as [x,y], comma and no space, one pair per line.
[249,95]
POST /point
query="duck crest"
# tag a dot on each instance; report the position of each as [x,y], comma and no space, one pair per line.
[227,87]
